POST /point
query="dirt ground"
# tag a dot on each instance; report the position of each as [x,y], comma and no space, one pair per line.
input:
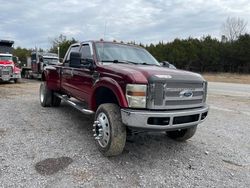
[54,147]
[227,77]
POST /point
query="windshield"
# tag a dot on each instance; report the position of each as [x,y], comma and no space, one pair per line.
[50,60]
[111,52]
[5,58]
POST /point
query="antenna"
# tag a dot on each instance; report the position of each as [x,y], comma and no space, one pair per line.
[105,28]
[104,35]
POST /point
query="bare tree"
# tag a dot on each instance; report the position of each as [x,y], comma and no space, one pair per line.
[233,28]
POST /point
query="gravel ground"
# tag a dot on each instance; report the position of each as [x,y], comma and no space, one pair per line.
[53,147]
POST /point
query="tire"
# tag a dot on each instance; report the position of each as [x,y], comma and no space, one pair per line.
[45,95]
[56,101]
[17,80]
[183,134]
[113,139]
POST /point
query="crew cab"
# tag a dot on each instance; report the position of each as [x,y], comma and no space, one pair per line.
[127,90]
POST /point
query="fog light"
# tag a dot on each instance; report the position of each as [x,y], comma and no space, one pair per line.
[203,116]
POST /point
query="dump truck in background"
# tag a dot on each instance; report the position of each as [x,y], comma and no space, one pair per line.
[36,63]
[8,68]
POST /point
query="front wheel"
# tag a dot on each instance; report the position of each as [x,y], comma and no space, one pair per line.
[109,131]
[182,134]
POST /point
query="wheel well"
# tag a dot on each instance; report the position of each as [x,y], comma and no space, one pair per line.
[105,95]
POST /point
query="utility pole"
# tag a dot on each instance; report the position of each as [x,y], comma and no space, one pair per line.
[58,52]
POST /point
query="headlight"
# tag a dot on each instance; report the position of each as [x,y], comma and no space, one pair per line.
[204,92]
[136,95]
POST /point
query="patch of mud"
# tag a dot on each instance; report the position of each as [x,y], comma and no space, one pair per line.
[52,165]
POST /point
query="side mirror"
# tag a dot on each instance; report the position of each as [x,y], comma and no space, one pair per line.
[75,59]
[167,64]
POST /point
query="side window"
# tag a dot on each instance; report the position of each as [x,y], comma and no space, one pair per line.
[85,52]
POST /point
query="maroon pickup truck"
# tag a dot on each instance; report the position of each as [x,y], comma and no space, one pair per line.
[128,90]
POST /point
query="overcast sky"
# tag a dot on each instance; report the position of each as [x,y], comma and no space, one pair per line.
[33,23]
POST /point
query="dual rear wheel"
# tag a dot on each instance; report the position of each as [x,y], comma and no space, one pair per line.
[47,97]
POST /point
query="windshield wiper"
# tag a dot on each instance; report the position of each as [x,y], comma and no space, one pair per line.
[144,63]
[120,61]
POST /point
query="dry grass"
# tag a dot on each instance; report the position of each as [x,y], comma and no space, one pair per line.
[228,77]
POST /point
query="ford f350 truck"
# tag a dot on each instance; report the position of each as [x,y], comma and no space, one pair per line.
[8,69]
[127,90]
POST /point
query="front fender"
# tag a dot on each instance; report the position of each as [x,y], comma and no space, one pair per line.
[114,87]
[17,70]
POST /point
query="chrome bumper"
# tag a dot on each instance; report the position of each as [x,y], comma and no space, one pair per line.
[10,76]
[163,120]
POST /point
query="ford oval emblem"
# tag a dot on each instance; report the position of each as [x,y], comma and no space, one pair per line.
[186,93]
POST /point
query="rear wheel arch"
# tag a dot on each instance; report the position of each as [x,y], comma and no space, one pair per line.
[43,76]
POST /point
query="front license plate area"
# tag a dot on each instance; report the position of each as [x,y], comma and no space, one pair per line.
[5,75]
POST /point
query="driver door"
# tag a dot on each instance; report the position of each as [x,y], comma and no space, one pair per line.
[82,79]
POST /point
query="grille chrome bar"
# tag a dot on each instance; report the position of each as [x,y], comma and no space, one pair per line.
[5,69]
[168,95]
[184,99]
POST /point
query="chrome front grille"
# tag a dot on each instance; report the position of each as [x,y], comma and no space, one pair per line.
[169,95]
[6,70]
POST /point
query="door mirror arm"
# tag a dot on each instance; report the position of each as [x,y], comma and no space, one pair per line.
[88,63]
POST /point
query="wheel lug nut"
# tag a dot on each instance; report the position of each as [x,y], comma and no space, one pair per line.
[95,135]
[93,130]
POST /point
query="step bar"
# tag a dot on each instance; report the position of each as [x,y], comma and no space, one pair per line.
[66,99]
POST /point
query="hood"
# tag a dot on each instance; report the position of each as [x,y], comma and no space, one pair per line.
[10,63]
[5,62]
[147,73]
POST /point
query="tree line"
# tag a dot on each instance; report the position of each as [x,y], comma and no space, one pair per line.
[206,54]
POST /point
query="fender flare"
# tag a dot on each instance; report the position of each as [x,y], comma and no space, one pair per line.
[114,87]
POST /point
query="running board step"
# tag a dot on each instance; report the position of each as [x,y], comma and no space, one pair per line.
[66,99]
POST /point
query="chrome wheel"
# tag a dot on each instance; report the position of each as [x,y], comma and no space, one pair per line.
[102,130]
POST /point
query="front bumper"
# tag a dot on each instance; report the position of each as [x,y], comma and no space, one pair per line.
[163,120]
[10,76]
